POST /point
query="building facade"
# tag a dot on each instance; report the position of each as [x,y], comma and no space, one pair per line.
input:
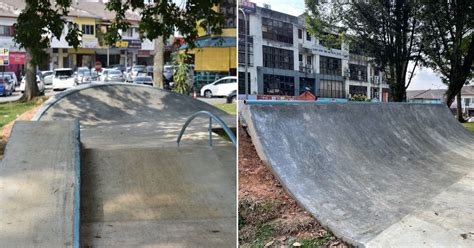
[285,59]
[93,20]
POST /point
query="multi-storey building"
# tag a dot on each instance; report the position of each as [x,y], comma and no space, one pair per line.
[215,55]
[285,59]
[93,19]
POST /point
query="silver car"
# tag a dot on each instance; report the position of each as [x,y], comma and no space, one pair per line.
[112,75]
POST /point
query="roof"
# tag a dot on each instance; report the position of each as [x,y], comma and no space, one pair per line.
[437,94]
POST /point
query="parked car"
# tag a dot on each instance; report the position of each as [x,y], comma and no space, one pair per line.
[6,85]
[47,77]
[83,77]
[149,71]
[143,80]
[111,75]
[220,87]
[14,78]
[39,82]
[134,71]
[63,79]
[121,68]
[471,119]
[232,97]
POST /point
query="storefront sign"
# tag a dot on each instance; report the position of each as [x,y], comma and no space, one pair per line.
[143,53]
[128,43]
[248,7]
[4,56]
[17,58]
[335,53]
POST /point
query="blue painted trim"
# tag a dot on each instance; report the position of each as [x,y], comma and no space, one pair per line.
[211,116]
[339,101]
[77,182]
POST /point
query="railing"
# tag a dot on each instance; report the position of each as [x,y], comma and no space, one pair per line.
[211,116]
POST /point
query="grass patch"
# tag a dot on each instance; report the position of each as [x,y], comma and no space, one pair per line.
[9,111]
[230,108]
[469,126]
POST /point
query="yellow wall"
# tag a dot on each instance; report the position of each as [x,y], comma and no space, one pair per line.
[85,21]
[215,59]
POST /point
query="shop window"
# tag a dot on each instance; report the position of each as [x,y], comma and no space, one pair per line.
[278,85]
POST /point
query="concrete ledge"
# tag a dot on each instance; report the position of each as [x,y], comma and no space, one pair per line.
[40,185]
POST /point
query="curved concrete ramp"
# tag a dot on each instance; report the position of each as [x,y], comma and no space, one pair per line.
[378,175]
[121,103]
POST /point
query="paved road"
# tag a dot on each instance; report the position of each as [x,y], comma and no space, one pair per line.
[378,175]
[17,94]
[213,101]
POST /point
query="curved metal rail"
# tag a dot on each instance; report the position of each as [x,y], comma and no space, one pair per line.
[211,116]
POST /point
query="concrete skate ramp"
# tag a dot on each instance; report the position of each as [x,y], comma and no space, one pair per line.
[112,103]
[378,175]
[168,197]
[39,186]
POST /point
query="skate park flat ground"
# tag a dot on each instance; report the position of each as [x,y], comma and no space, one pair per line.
[138,187]
[377,175]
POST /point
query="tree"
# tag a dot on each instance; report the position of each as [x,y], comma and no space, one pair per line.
[36,25]
[387,31]
[180,77]
[161,19]
[448,38]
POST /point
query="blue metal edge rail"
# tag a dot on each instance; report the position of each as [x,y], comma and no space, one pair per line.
[211,116]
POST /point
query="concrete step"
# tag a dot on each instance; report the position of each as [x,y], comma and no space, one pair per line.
[39,186]
[139,196]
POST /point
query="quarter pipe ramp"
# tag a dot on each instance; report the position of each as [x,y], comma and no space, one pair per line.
[378,175]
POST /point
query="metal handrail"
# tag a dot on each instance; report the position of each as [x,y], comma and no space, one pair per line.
[211,116]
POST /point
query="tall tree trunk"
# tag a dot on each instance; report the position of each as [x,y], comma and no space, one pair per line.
[459,108]
[158,62]
[31,87]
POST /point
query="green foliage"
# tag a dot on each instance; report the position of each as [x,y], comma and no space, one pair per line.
[163,18]
[387,31]
[40,22]
[316,242]
[448,40]
[180,77]
[469,126]
[359,98]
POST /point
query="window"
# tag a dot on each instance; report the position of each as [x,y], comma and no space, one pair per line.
[331,89]
[242,82]
[6,30]
[300,34]
[330,66]
[358,72]
[228,9]
[277,30]
[300,58]
[308,36]
[309,59]
[277,58]
[88,29]
[278,85]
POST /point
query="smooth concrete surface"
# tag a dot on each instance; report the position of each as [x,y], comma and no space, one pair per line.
[378,175]
[166,197]
[38,185]
[138,188]
[123,103]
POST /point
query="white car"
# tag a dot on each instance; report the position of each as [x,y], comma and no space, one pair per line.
[63,79]
[40,83]
[111,75]
[47,77]
[220,87]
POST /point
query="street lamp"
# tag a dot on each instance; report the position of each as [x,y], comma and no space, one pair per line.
[246,54]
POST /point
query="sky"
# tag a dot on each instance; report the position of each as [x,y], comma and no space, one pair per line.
[423,79]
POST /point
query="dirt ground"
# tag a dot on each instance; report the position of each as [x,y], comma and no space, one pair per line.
[268,216]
